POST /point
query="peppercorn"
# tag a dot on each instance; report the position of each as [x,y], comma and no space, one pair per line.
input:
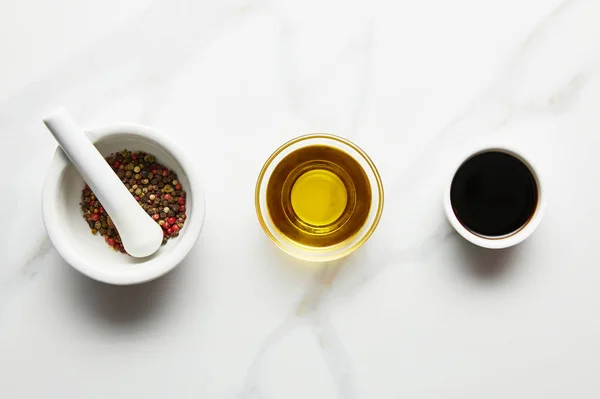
[156,188]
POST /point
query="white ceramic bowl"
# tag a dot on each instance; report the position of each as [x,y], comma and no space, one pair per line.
[513,238]
[89,253]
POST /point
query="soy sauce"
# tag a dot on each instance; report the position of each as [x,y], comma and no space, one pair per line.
[494,194]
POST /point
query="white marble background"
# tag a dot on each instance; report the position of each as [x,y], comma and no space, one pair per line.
[416,313]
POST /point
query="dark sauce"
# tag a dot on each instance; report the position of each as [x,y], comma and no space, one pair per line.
[494,194]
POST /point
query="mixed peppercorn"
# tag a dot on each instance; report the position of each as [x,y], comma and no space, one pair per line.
[153,186]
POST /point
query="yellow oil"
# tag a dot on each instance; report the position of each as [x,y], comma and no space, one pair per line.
[318,196]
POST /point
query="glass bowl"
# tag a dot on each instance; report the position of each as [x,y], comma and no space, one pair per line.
[332,252]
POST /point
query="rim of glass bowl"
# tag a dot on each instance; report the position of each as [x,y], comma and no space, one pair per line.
[327,253]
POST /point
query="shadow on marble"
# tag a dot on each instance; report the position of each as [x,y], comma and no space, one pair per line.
[278,257]
[127,306]
[486,264]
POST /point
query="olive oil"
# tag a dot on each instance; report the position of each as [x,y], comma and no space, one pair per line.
[318,196]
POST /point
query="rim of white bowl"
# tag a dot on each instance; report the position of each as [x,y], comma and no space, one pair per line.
[155,267]
[515,237]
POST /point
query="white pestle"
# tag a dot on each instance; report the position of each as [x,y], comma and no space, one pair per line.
[141,236]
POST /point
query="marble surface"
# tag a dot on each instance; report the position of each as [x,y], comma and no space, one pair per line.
[417,312]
